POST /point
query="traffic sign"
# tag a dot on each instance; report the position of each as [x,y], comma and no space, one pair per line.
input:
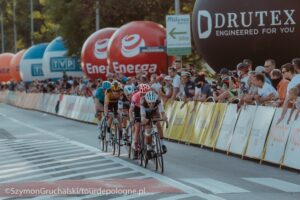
[178,35]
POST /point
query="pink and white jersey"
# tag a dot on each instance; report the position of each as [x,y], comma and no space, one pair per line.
[136,99]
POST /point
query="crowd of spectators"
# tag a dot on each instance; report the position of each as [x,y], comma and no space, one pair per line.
[262,85]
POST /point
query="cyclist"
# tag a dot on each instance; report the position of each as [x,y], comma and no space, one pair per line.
[112,97]
[135,114]
[124,105]
[99,101]
[152,107]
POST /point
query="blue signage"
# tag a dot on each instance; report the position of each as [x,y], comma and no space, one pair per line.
[61,64]
[37,70]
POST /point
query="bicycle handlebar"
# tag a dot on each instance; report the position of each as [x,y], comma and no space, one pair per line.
[160,120]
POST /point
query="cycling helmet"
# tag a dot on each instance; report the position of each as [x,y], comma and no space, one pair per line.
[144,88]
[128,89]
[106,85]
[116,86]
[151,97]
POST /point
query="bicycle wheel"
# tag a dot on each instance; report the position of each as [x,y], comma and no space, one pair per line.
[159,155]
[141,148]
[119,137]
[129,141]
[114,139]
[103,135]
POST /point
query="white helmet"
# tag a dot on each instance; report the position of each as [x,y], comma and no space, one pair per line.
[151,97]
[128,89]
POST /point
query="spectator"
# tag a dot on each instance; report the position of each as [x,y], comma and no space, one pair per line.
[253,90]
[243,70]
[188,87]
[288,72]
[261,70]
[227,87]
[176,83]
[294,98]
[296,64]
[270,64]
[167,89]
[249,63]
[266,92]
[202,90]
[154,84]
[280,84]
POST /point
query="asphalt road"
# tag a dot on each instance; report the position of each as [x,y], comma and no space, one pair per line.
[38,149]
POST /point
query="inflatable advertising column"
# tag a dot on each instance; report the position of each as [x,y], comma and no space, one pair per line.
[55,61]
[15,65]
[227,31]
[124,49]
[31,65]
[5,60]
[94,54]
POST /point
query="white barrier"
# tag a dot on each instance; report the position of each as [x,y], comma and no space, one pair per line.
[262,121]
[242,130]
[227,128]
[277,139]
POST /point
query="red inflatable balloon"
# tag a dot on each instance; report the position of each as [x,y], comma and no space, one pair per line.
[5,59]
[94,54]
[124,49]
[15,65]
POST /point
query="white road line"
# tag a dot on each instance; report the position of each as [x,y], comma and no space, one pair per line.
[176,197]
[18,144]
[22,178]
[49,156]
[31,169]
[166,180]
[31,147]
[276,183]
[133,196]
[216,187]
[87,172]
[35,151]
[76,159]
[27,141]
[16,162]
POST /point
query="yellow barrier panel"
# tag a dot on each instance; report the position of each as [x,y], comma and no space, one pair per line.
[190,122]
[201,123]
[259,131]
[177,125]
[169,110]
[292,152]
[242,130]
[277,138]
[216,120]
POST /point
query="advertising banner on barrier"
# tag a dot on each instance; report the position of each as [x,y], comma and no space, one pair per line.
[176,127]
[292,152]
[242,130]
[169,108]
[201,122]
[215,125]
[260,129]
[277,138]
[190,122]
[227,127]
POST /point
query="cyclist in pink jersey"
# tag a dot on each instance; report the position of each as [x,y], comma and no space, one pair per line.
[135,114]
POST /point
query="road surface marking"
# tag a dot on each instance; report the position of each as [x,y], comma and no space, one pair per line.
[216,187]
[276,183]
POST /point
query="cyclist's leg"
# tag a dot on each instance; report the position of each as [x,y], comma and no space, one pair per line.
[124,123]
[109,120]
[137,126]
[116,114]
[161,134]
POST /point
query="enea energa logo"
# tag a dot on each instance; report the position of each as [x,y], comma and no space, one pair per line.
[100,48]
[131,45]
